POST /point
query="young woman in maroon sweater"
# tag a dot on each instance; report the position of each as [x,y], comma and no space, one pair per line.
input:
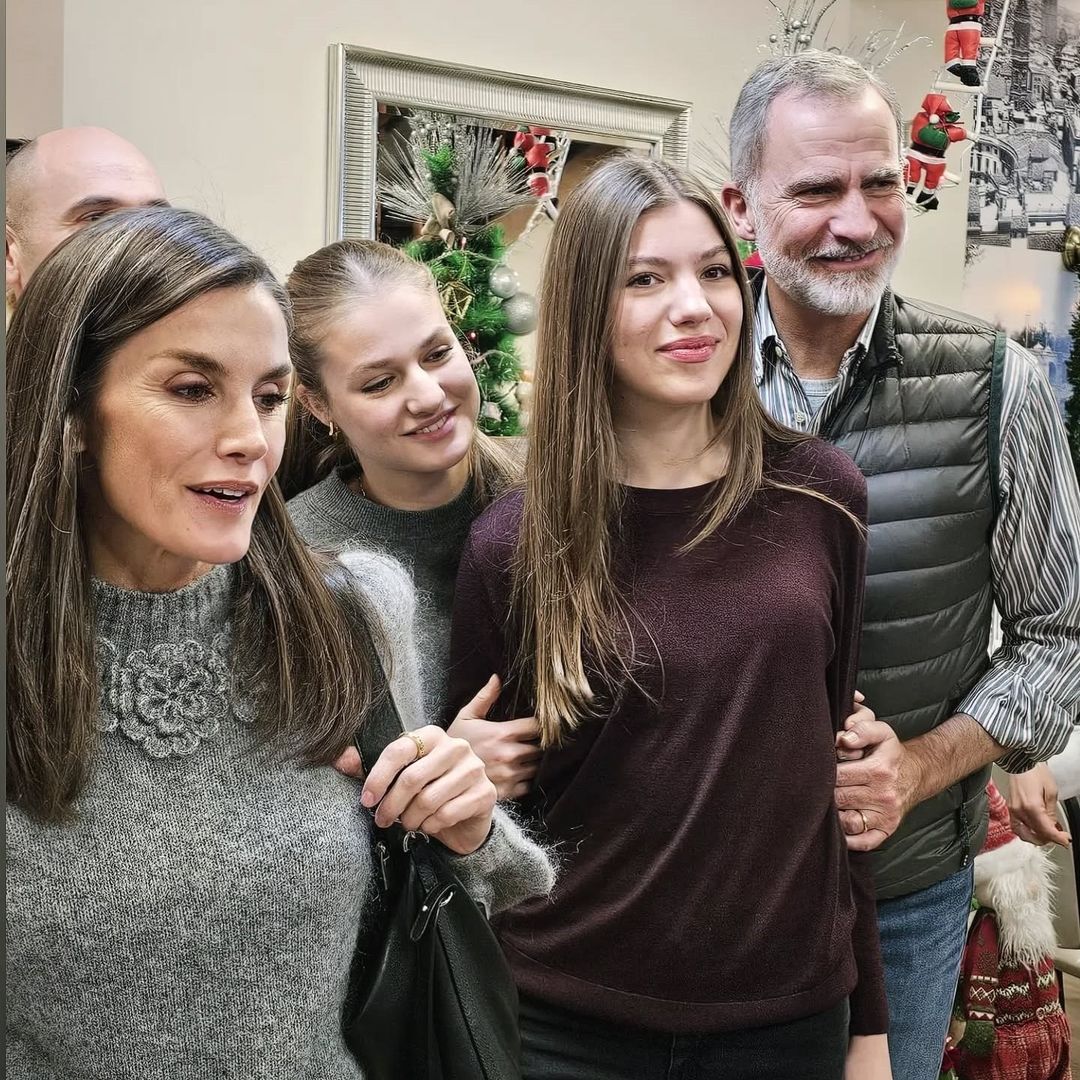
[676,595]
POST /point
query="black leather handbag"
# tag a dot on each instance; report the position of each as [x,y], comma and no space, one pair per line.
[431,996]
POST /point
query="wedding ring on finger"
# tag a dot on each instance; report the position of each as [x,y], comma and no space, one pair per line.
[421,749]
[865,823]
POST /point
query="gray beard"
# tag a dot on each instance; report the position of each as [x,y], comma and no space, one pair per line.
[841,294]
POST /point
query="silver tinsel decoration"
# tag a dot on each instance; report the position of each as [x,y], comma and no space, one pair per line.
[503,281]
[488,182]
[798,22]
[521,311]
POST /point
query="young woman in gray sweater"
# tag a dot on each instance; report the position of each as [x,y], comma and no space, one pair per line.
[186,877]
[384,453]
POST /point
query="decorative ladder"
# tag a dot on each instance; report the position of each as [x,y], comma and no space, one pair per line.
[951,179]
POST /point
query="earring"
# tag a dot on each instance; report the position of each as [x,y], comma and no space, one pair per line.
[331,429]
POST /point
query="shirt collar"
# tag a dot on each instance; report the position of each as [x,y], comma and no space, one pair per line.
[767,337]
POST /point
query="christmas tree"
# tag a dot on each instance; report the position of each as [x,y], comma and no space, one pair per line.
[1072,406]
[454,180]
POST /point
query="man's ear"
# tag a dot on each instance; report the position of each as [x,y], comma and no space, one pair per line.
[13,285]
[738,211]
[313,402]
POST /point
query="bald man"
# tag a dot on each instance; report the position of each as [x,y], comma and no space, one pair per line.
[62,181]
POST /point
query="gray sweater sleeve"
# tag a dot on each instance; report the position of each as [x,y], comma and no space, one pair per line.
[510,865]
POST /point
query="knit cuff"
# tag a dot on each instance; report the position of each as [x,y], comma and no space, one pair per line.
[508,867]
[868,1017]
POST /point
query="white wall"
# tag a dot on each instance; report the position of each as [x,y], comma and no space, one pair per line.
[228,97]
[34,73]
[933,267]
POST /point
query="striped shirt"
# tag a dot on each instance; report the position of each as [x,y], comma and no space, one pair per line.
[1029,699]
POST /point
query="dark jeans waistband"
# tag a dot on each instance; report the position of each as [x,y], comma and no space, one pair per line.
[561,1045]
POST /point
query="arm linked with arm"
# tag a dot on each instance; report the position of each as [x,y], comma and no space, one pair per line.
[511,865]
[869,1010]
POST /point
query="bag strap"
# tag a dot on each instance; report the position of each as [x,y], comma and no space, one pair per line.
[382,725]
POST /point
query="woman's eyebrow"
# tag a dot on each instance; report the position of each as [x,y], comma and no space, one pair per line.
[208,365]
[431,339]
[655,260]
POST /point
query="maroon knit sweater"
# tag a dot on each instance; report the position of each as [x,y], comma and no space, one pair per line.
[705,882]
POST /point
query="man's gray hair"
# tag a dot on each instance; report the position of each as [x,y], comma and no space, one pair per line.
[17,179]
[808,74]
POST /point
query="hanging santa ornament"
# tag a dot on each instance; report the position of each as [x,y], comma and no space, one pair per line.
[933,130]
[963,39]
[536,145]
[536,157]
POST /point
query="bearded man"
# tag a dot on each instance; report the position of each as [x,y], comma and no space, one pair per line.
[973,503]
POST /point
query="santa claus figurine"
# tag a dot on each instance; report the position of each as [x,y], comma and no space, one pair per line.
[962,39]
[1008,1021]
[933,130]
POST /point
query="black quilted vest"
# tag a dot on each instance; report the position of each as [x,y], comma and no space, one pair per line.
[919,420]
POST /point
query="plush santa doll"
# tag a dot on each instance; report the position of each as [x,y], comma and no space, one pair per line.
[933,130]
[962,39]
[1008,1021]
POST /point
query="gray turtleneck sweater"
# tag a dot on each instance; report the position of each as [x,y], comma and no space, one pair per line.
[198,920]
[330,516]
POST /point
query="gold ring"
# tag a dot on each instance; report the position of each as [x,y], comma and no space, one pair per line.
[865,823]
[421,750]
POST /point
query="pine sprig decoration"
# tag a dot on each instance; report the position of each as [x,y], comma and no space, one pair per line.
[500,365]
[485,316]
[441,165]
[490,183]
[471,167]
[455,180]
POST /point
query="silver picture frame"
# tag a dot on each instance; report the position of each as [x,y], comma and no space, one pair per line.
[361,78]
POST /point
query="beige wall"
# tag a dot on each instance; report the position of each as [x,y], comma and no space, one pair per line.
[933,267]
[34,73]
[229,98]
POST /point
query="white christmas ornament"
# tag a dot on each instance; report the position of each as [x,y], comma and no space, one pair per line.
[503,281]
[521,312]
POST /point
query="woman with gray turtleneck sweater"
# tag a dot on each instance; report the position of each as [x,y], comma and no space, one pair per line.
[187,877]
[384,454]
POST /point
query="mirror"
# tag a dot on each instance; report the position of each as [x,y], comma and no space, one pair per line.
[465,168]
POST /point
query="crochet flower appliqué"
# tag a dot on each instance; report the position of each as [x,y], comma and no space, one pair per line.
[167,698]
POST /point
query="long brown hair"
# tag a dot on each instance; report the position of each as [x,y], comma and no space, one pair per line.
[301,642]
[565,602]
[320,288]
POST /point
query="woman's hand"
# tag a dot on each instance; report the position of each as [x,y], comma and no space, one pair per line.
[860,711]
[441,790]
[508,749]
[868,1058]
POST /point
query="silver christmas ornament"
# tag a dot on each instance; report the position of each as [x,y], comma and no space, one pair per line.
[796,24]
[774,38]
[521,310]
[804,39]
[503,281]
